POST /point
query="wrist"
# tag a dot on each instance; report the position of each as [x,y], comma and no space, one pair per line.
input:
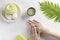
[45,31]
[52,33]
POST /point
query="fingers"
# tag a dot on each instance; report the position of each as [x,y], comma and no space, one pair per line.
[35,21]
[33,27]
[31,23]
[33,31]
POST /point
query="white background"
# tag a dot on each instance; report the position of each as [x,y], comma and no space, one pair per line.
[9,30]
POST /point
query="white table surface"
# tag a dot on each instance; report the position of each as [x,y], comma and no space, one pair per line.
[9,30]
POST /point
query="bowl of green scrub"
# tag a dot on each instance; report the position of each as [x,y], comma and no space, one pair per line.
[31,11]
[11,12]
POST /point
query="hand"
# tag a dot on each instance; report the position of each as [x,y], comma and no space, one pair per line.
[38,25]
[34,30]
[37,28]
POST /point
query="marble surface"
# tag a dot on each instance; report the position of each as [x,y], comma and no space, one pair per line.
[9,30]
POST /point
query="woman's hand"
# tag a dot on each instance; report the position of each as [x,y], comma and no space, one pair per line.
[37,28]
[38,25]
[34,30]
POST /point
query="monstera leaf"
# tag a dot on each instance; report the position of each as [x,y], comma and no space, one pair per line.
[51,10]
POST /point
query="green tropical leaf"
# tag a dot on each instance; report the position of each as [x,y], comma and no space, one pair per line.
[51,10]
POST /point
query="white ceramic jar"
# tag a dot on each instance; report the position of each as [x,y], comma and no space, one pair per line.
[11,12]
